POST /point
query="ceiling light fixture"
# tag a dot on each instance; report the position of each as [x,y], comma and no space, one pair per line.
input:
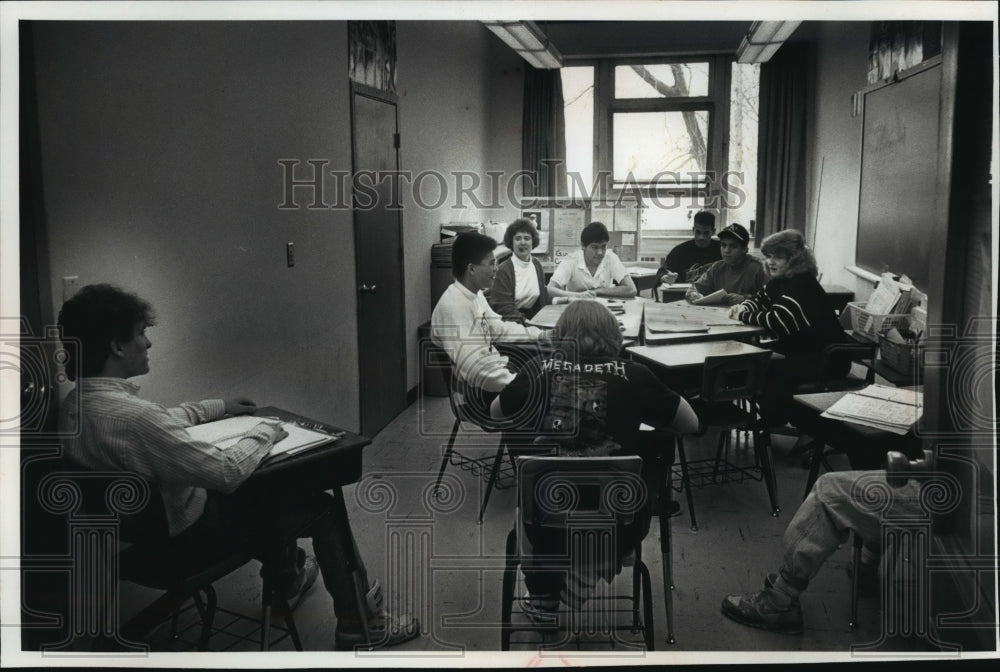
[764,39]
[528,40]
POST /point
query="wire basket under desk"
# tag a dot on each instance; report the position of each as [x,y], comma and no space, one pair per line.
[480,467]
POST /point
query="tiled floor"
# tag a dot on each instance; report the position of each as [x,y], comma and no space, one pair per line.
[436,562]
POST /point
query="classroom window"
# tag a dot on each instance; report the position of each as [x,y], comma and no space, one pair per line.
[743,117]
[661,80]
[578,97]
[651,147]
[668,130]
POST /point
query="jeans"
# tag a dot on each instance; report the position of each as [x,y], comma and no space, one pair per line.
[832,510]
[270,526]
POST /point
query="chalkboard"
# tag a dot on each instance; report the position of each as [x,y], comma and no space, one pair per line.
[899,163]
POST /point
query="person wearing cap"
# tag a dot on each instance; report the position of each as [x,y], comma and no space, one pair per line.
[593,271]
[687,261]
[738,274]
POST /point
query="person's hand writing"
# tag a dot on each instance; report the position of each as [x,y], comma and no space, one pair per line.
[278,431]
[239,406]
[734,312]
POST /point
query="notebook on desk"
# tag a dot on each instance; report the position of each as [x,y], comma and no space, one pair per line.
[226,433]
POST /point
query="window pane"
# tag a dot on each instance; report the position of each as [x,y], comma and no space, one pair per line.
[740,190]
[661,80]
[648,144]
[671,213]
[578,100]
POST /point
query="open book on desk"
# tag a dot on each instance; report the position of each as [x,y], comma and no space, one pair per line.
[893,409]
[226,433]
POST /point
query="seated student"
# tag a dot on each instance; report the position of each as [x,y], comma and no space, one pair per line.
[519,286]
[590,402]
[830,512]
[592,271]
[793,307]
[464,325]
[687,261]
[739,274]
[120,431]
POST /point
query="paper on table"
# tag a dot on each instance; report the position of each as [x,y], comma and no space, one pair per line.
[715,297]
[226,433]
[877,411]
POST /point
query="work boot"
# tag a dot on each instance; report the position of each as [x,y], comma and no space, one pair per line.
[762,610]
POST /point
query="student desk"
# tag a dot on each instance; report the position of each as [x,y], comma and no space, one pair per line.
[322,467]
[547,317]
[679,365]
[643,278]
[689,355]
[717,315]
[865,447]
[838,297]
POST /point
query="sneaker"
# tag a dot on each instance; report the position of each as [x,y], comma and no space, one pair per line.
[541,610]
[384,630]
[295,591]
[868,583]
[758,610]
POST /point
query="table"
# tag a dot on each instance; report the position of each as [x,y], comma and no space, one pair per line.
[643,278]
[864,446]
[547,317]
[323,467]
[672,292]
[690,355]
[722,328]
[838,297]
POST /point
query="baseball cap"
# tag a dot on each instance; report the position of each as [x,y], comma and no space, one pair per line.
[736,231]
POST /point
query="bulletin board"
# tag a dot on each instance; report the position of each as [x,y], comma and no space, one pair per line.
[567,220]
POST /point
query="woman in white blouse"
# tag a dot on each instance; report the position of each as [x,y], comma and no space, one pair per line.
[519,286]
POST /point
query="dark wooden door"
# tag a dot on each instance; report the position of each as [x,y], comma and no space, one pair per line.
[379,260]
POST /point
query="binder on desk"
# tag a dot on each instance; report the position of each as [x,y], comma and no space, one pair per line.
[226,433]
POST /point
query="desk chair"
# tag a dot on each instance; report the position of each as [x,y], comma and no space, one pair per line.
[730,387]
[464,412]
[815,451]
[152,558]
[590,500]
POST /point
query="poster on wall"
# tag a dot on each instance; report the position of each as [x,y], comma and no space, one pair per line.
[567,223]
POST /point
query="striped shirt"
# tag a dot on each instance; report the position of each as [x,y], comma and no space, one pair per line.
[796,310]
[119,431]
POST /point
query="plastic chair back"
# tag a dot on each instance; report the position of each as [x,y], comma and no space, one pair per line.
[564,491]
[734,377]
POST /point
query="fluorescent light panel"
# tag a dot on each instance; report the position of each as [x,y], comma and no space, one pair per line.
[764,39]
[529,41]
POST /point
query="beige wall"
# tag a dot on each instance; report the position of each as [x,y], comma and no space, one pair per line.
[160,149]
[460,94]
[834,147]
[160,144]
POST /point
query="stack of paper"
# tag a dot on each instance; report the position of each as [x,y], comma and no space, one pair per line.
[891,296]
[893,409]
[226,433]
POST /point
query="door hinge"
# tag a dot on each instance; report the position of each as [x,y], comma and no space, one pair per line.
[395,140]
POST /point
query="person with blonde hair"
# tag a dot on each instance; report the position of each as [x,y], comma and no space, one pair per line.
[590,402]
[794,308]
